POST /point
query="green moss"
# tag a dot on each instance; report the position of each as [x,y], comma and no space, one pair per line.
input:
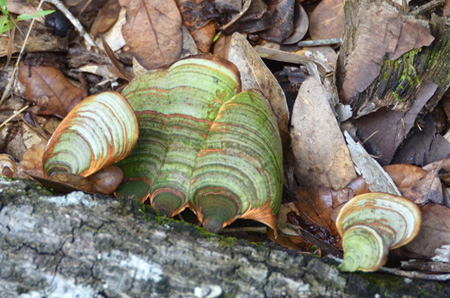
[393,285]
[408,73]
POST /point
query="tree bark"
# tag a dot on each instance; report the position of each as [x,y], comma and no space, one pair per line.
[97,246]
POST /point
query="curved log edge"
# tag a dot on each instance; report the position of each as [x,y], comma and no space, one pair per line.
[81,245]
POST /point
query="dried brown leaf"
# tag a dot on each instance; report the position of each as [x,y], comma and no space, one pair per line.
[282,21]
[321,154]
[446,11]
[315,206]
[198,18]
[434,231]
[327,20]
[153,31]
[384,130]
[428,188]
[301,25]
[288,236]
[204,37]
[404,175]
[31,162]
[415,183]
[48,88]
[106,17]
[256,75]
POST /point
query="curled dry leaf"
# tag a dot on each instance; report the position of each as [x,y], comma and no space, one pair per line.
[301,25]
[256,75]
[198,19]
[282,24]
[321,155]
[153,31]
[204,37]
[418,185]
[48,88]
[31,162]
[428,188]
[327,20]
[106,17]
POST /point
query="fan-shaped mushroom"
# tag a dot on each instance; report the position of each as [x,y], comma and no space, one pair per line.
[373,223]
[99,131]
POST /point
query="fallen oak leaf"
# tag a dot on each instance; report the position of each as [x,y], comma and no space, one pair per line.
[48,88]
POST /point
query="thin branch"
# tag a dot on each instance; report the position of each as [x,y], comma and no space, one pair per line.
[15,114]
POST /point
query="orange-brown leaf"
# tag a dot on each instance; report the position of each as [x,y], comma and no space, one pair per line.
[106,17]
[315,206]
[31,162]
[327,20]
[198,18]
[153,31]
[48,88]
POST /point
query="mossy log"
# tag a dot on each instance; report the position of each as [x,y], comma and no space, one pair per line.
[387,54]
[82,245]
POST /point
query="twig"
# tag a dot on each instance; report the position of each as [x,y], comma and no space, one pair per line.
[74,21]
[37,129]
[259,230]
[428,6]
[12,79]
[320,42]
[15,114]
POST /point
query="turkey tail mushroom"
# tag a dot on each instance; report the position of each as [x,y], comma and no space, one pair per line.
[99,131]
[238,172]
[373,223]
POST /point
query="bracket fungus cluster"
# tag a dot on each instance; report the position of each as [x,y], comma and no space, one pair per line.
[371,224]
[201,144]
[204,145]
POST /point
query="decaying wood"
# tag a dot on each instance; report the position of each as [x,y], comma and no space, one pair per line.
[90,246]
[386,55]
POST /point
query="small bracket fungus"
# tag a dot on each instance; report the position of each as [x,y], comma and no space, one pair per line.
[371,224]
